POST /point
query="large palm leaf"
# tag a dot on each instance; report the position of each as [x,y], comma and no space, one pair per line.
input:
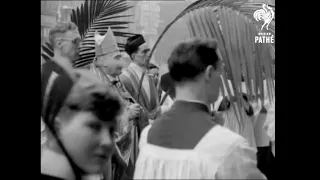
[231,23]
[94,16]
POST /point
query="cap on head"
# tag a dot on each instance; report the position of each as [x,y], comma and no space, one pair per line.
[106,44]
[133,43]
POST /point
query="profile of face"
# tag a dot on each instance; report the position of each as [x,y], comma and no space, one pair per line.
[213,81]
[88,140]
[155,73]
[141,55]
[68,44]
[111,64]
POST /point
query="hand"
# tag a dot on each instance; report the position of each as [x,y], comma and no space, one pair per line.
[134,110]
[155,113]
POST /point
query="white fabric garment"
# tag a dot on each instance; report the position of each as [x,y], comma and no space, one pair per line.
[220,154]
[145,84]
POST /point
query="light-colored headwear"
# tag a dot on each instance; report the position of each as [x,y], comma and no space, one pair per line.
[106,44]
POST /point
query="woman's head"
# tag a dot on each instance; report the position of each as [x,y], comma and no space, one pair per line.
[86,122]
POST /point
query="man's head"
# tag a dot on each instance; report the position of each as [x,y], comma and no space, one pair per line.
[137,49]
[108,56]
[197,63]
[65,40]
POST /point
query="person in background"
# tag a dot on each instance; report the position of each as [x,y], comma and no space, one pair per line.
[167,85]
[80,114]
[245,127]
[265,134]
[108,66]
[65,40]
[185,142]
[153,72]
[138,50]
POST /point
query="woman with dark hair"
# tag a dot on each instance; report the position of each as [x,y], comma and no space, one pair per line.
[79,112]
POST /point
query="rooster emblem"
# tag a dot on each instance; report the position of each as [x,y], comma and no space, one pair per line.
[266,14]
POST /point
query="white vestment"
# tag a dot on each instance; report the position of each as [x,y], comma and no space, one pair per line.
[220,154]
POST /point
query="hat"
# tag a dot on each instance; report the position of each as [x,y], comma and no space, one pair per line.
[133,43]
[106,44]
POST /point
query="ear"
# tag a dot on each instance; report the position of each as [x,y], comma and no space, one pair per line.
[58,43]
[209,72]
[133,56]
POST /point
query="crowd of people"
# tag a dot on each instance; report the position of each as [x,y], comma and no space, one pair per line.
[98,124]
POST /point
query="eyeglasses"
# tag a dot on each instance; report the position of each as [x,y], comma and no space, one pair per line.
[75,41]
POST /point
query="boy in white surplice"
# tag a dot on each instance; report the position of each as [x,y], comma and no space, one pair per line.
[185,142]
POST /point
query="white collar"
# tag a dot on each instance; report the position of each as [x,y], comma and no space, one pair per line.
[137,69]
[191,100]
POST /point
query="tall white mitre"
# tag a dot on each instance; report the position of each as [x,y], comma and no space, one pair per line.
[106,44]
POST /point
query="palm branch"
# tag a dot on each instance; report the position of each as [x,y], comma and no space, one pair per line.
[231,23]
[94,16]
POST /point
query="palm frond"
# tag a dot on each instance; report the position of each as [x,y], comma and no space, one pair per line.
[231,22]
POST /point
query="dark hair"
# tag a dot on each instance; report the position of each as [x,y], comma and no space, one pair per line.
[89,94]
[105,105]
[189,59]
[152,66]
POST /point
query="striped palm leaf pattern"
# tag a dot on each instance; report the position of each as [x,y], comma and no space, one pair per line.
[231,22]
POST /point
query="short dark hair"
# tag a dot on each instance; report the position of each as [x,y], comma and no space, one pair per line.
[89,94]
[189,59]
[152,66]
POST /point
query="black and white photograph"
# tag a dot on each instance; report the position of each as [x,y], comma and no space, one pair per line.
[167,89]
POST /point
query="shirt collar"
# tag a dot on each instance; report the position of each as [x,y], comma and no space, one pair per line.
[137,69]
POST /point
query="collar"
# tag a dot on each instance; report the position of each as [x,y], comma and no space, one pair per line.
[137,69]
[193,103]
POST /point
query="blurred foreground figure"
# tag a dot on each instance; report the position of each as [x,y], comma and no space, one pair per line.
[185,142]
[79,112]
